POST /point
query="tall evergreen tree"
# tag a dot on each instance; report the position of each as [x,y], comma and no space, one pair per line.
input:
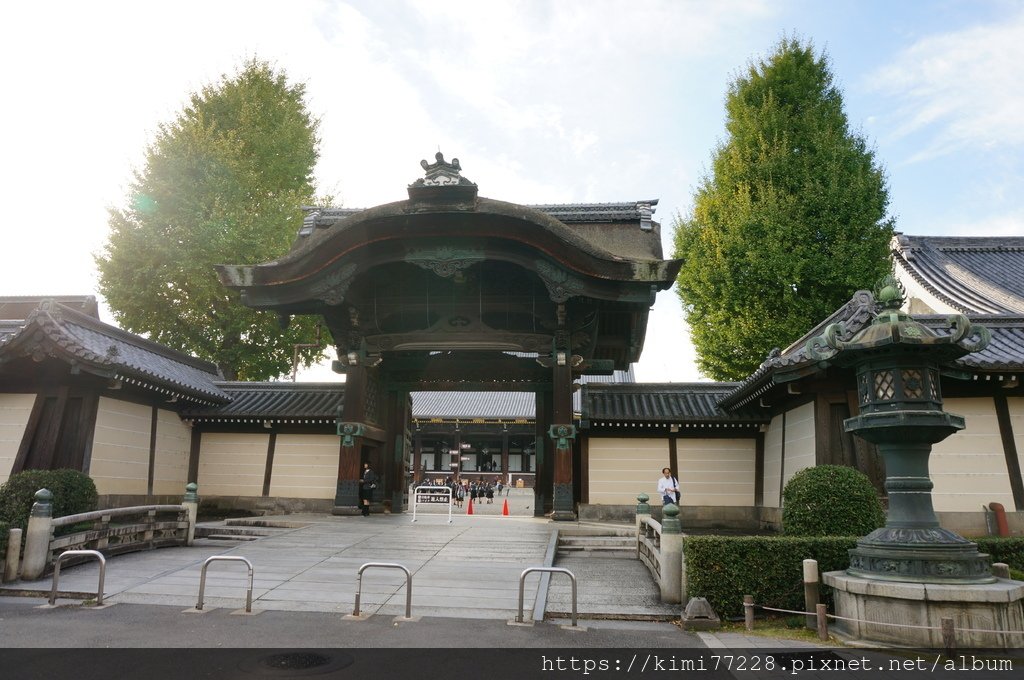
[223,184]
[790,221]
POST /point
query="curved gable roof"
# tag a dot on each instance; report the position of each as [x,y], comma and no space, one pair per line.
[975,275]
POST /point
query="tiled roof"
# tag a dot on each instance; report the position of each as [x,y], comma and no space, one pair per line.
[975,275]
[1005,352]
[56,330]
[600,212]
[665,403]
[854,315]
[634,211]
[274,401]
[18,307]
[496,405]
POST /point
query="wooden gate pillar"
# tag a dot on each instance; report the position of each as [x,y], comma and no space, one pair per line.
[352,430]
[562,432]
[396,450]
[543,472]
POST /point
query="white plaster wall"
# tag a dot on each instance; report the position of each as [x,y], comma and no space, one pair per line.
[120,447]
[919,300]
[232,464]
[773,463]
[1016,408]
[969,468]
[716,471]
[799,440]
[622,468]
[305,466]
[170,465]
[15,410]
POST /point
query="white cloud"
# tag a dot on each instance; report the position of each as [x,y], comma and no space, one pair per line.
[960,89]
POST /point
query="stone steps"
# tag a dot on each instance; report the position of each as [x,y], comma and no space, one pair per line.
[596,546]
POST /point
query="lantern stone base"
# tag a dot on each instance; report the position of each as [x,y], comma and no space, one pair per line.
[995,606]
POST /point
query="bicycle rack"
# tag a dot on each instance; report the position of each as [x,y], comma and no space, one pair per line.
[71,553]
[550,570]
[388,565]
[225,558]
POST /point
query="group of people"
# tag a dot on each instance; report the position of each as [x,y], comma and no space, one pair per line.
[668,489]
[472,489]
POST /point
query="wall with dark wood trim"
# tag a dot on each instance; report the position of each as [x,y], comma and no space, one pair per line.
[15,410]
[121,447]
[622,468]
[968,469]
[233,463]
[170,472]
[305,466]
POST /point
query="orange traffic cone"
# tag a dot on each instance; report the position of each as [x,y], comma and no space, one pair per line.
[469,511]
[504,509]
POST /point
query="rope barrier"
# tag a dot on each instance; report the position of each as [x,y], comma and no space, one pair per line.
[881,623]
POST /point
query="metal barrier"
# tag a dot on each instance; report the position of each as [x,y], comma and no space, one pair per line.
[432,494]
[225,558]
[72,553]
[552,570]
[388,565]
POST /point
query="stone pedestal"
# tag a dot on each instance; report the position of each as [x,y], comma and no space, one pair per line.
[997,606]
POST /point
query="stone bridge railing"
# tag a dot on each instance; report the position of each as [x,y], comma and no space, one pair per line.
[659,545]
[113,531]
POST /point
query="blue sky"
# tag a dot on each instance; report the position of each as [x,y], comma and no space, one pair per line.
[542,102]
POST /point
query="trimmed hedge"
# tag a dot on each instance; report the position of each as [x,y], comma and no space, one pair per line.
[830,500]
[1009,550]
[725,568]
[73,492]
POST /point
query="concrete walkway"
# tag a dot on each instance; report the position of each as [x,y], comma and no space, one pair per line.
[469,569]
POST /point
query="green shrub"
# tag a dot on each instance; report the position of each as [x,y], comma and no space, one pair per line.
[830,500]
[4,529]
[73,492]
[725,568]
[1009,550]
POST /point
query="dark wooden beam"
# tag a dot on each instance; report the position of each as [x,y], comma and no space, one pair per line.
[1010,451]
[269,470]
[151,473]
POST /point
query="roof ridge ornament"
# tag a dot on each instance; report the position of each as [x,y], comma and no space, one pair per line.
[443,184]
[441,172]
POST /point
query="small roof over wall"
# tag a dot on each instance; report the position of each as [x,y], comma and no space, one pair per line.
[273,402]
[1003,357]
[672,404]
[54,331]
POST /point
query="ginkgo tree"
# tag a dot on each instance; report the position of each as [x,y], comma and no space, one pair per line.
[223,183]
[790,220]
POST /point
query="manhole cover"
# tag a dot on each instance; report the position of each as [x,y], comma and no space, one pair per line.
[293,664]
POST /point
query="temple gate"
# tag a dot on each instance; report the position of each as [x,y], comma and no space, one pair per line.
[452,291]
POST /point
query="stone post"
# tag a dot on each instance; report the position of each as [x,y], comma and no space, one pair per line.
[13,556]
[643,512]
[191,503]
[812,596]
[37,538]
[671,557]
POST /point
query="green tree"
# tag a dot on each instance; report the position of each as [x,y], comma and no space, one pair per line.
[790,221]
[222,184]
